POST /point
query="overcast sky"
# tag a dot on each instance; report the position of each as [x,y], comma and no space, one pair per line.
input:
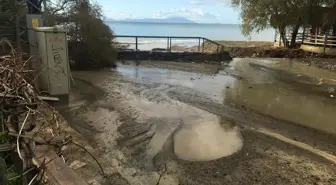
[202,11]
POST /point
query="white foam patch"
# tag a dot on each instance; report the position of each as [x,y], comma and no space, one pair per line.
[206,141]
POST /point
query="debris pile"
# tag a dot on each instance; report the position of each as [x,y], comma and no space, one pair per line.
[27,121]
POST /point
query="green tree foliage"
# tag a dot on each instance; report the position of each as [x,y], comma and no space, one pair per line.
[9,9]
[282,15]
[90,39]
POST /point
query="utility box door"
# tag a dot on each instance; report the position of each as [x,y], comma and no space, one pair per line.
[57,63]
[52,46]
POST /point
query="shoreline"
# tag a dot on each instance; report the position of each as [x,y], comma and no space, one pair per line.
[264,49]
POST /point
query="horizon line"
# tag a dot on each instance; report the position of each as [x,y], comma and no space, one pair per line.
[125,21]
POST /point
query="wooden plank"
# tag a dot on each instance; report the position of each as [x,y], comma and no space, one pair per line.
[318,43]
[44,98]
[6,147]
[315,35]
[57,171]
[311,38]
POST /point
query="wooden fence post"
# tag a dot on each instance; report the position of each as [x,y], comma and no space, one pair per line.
[199,44]
[170,46]
[325,42]
[203,46]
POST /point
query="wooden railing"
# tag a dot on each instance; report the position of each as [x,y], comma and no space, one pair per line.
[320,40]
[299,38]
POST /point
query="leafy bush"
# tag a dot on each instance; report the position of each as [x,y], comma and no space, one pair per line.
[90,39]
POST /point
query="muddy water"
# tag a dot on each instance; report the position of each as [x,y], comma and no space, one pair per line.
[212,86]
[286,96]
[197,135]
[155,113]
[272,92]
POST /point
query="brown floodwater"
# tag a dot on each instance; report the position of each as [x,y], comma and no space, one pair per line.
[281,89]
[279,92]
[286,96]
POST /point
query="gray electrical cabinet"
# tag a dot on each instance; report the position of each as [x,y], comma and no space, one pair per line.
[53,62]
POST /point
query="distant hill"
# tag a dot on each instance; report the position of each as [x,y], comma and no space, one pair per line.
[151,20]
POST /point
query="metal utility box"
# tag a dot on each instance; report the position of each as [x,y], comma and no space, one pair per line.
[53,62]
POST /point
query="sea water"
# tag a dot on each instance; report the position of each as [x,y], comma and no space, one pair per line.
[229,32]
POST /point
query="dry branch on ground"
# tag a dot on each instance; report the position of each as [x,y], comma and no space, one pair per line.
[26,119]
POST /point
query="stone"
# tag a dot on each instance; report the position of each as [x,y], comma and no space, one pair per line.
[76,164]
[93,182]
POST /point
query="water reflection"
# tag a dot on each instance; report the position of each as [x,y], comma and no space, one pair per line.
[289,95]
[212,86]
[284,101]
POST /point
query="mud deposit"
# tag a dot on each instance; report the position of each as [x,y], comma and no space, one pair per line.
[206,141]
[239,123]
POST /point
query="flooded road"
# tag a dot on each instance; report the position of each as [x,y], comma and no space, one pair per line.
[213,123]
[268,92]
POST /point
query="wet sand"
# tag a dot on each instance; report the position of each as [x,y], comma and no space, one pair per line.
[199,124]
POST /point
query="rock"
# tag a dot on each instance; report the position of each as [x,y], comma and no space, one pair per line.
[133,172]
[129,171]
[192,78]
[77,164]
[332,96]
[331,89]
[64,148]
[93,182]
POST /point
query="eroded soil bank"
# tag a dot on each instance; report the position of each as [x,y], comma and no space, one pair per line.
[178,123]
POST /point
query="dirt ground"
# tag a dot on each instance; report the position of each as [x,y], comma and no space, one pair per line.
[146,132]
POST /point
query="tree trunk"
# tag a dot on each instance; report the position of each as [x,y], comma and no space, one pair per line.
[294,35]
[282,32]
